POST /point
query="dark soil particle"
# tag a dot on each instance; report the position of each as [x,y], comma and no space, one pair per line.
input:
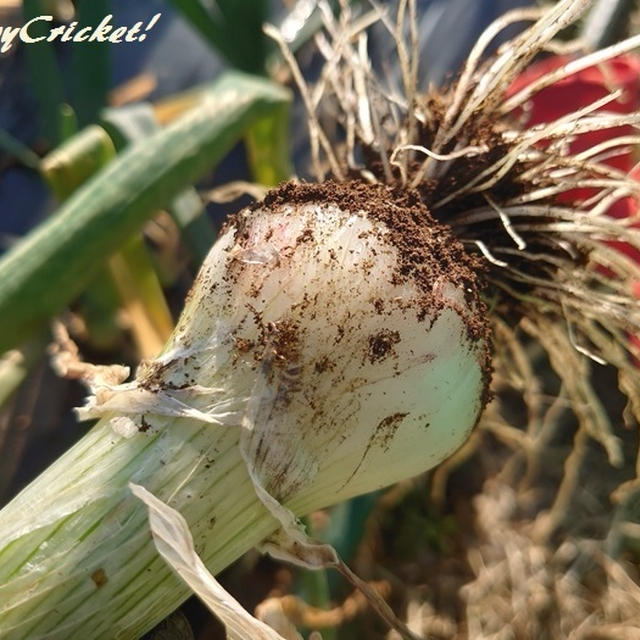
[324,364]
[283,337]
[387,428]
[99,577]
[305,236]
[243,345]
[381,345]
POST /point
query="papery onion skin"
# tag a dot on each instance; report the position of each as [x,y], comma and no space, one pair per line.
[352,323]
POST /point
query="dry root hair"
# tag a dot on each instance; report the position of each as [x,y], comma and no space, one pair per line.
[553,278]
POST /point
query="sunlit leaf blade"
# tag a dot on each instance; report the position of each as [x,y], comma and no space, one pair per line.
[268,148]
[44,71]
[89,64]
[75,161]
[49,267]
[133,123]
[130,269]
[233,28]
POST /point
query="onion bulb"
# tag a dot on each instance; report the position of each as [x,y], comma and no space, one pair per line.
[342,326]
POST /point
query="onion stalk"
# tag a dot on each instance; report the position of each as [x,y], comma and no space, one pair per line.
[336,339]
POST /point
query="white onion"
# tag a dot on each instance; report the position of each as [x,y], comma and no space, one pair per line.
[342,329]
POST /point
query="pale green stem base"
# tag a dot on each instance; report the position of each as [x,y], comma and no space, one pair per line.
[90,569]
